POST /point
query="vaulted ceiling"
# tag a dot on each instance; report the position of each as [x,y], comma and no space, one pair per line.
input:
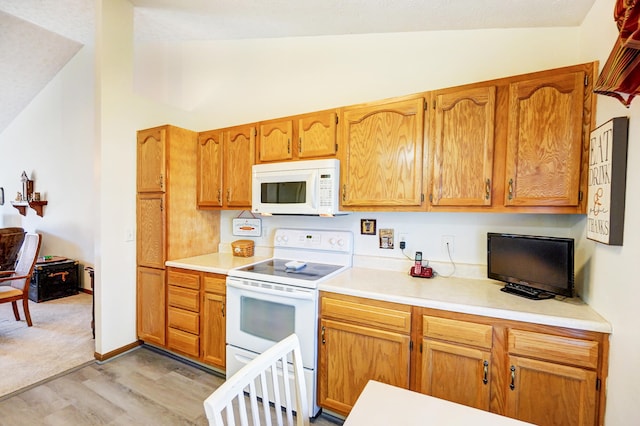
[38,37]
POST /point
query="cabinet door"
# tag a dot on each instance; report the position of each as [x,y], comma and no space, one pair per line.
[275,142]
[317,135]
[456,373]
[150,241]
[213,330]
[239,156]
[544,141]
[545,393]
[351,355]
[462,165]
[151,160]
[382,160]
[210,160]
[151,302]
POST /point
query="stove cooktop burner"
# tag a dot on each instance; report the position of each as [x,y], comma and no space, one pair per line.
[276,268]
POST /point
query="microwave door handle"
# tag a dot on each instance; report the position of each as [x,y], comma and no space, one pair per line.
[291,295]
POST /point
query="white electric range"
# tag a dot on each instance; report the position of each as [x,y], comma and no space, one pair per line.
[270,299]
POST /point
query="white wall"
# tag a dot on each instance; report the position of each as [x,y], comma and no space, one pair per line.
[235,82]
[51,140]
[614,292]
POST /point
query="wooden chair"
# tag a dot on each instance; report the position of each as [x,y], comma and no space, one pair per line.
[263,375]
[10,242]
[14,285]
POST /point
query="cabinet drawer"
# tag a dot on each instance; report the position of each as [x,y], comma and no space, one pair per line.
[183,279]
[184,342]
[184,320]
[184,298]
[565,350]
[388,318]
[215,284]
[468,333]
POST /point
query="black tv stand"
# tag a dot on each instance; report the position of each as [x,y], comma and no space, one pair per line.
[526,291]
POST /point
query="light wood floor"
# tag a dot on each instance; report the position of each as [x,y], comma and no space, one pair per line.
[141,387]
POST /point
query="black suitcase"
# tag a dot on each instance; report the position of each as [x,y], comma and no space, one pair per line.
[54,279]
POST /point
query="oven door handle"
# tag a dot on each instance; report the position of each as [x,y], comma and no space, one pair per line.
[303,295]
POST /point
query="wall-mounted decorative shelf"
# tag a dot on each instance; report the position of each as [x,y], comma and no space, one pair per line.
[21,206]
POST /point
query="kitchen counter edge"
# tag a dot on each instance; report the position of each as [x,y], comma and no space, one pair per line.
[217,263]
[470,296]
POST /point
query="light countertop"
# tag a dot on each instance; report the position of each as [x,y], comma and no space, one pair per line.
[464,295]
[217,263]
[471,296]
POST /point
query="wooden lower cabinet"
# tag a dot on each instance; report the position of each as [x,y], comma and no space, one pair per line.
[365,342]
[151,305]
[196,315]
[565,368]
[546,393]
[456,361]
[540,374]
[213,331]
[183,311]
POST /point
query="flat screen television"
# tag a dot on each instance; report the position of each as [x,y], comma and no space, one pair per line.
[535,267]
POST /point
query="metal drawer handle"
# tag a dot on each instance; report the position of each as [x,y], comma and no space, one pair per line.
[485,377]
[512,386]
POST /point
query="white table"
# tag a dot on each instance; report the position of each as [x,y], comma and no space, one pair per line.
[382,404]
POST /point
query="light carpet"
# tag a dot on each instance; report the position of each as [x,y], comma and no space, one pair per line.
[59,340]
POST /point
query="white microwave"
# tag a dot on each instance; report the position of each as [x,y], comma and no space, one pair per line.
[296,187]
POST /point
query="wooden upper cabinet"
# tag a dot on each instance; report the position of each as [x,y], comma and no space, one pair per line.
[545,140]
[381,155]
[463,147]
[303,136]
[239,156]
[151,231]
[276,139]
[317,135]
[210,166]
[151,173]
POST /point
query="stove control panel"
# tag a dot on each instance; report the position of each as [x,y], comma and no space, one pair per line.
[309,239]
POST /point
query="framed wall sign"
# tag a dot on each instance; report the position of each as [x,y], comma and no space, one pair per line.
[368,226]
[607,181]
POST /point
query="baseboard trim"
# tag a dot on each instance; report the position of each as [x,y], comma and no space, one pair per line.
[116,352]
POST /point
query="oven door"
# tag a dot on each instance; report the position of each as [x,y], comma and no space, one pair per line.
[260,314]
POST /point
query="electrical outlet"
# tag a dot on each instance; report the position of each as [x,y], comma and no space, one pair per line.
[447,245]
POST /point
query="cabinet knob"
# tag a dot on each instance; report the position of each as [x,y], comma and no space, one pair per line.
[485,376]
[510,189]
[487,189]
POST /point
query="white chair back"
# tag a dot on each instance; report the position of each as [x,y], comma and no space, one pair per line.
[267,374]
